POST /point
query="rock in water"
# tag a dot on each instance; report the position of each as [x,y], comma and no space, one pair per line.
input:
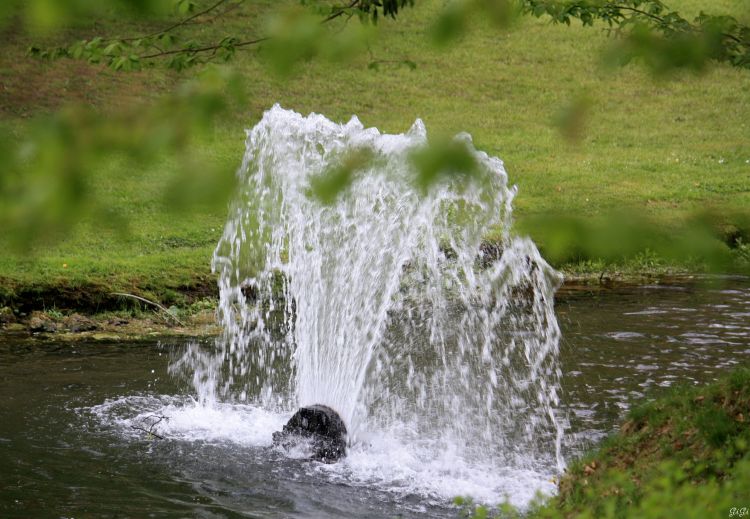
[77,323]
[321,426]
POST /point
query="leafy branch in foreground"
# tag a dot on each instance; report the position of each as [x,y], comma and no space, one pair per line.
[655,33]
[646,29]
[47,183]
[179,52]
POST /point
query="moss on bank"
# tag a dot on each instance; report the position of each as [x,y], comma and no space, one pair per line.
[100,294]
[100,297]
[133,320]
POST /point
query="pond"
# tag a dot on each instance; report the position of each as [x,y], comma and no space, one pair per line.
[74,418]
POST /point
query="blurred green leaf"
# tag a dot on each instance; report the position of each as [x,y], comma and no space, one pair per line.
[571,119]
[502,12]
[625,236]
[663,55]
[451,22]
[200,183]
[46,186]
[327,186]
[185,6]
[295,36]
[444,158]
[45,16]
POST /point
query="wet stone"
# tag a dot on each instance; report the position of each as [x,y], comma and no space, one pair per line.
[40,323]
[322,427]
[117,321]
[77,323]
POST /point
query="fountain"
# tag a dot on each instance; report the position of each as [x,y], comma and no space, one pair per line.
[383,304]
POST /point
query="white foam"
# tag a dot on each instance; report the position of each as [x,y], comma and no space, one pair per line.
[381,461]
[436,474]
[183,418]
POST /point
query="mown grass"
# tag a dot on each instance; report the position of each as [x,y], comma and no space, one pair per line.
[662,148]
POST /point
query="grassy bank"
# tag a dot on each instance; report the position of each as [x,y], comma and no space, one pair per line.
[684,454]
[662,149]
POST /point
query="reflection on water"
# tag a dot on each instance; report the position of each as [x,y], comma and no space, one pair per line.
[68,446]
[618,348]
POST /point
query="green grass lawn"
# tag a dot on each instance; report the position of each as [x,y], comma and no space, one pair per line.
[665,149]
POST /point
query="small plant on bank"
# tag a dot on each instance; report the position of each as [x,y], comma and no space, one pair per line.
[202,305]
[54,314]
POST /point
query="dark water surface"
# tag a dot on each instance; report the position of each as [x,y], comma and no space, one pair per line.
[621,347]
[58,458]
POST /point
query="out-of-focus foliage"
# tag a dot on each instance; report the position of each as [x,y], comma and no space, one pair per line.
[327,186]
[50,15]
[297,35]
[49,169]
[571,119]
[443,158]
[705,238]
[455,18]
[646,29]
[649,30]
[438,160]
[293,35]
[46,181]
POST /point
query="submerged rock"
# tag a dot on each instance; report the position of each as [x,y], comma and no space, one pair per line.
[319,425]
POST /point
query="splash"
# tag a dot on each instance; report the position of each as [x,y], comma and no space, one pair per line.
[385,304]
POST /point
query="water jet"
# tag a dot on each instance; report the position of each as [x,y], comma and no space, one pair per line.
[387,305]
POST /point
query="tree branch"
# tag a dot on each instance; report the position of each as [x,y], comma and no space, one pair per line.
[178,24]
[150,430]
[157,305]
[733,47]
[662,21]
[213,48]
[340,11]
[201,49]
[636,10]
